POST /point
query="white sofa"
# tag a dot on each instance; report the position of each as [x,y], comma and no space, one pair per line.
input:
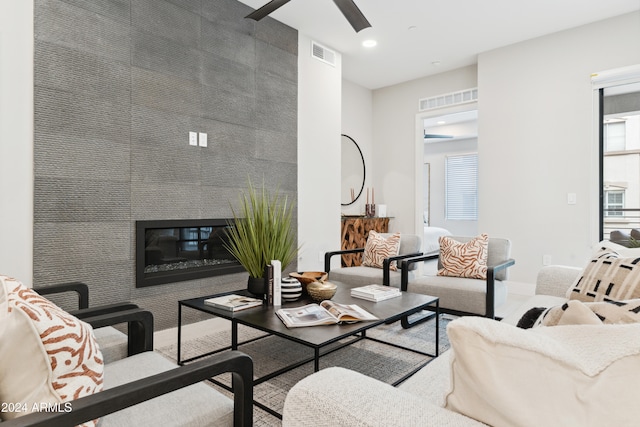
[341,397]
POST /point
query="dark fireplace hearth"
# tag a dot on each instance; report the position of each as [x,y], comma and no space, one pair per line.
[170,251]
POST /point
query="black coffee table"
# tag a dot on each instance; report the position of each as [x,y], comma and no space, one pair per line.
[316,337]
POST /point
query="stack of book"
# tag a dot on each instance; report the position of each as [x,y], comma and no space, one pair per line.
[233,302]
[375,293]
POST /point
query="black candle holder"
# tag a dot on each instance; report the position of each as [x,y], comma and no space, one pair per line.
[370,210]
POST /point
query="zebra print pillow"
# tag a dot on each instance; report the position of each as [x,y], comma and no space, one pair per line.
[464,259]
[378,248]
[49,357]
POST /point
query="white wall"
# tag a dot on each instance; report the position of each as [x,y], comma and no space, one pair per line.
[319,120]
[357,122]
[395,161]
[537,141]
[16,139]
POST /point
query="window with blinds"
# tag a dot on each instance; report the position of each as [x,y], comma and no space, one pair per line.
[614,199]
[461,187]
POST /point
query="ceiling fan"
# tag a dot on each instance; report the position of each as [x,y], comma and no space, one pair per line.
[347,7]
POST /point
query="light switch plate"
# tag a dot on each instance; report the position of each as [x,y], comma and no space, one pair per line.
[571,198]
[193,139]
[202,138]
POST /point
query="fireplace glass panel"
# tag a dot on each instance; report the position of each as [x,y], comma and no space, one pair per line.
[172,251]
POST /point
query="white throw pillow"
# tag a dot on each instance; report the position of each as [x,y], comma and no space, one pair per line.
[48,356]
[623,251]
[572,375]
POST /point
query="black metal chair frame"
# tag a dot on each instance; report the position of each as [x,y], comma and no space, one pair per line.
[490,293]
[121,397]
[139,322]
[386,264]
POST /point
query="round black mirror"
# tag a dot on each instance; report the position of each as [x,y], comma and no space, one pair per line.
[353,171]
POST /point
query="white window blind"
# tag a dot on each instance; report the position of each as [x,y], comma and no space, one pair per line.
[614,136]
[461,187]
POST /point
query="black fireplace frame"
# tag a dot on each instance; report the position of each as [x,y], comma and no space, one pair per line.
[145,279]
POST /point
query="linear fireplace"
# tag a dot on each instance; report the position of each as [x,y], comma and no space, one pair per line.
[175,250]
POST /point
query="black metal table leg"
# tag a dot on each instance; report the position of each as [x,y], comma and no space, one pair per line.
[234,334]
[437,328]
[179,332]
[316,359]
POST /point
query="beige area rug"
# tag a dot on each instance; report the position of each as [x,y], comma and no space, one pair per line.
[384,362]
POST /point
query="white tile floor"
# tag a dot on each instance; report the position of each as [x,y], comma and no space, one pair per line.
[514,300]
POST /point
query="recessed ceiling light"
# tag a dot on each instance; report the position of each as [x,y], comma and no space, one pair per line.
[436,63]
[369,43]
[441,122]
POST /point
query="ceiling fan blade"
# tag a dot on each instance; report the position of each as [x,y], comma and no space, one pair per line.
[265,10]
[353,14]
[435,136]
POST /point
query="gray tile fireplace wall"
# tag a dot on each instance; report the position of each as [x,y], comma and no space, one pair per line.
[118,86]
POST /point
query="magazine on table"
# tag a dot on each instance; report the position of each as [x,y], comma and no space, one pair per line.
[375,293]
[233,302]
[325,313]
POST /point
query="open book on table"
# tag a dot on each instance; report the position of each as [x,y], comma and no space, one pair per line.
[325,313]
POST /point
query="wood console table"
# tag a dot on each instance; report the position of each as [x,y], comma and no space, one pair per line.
[355,230]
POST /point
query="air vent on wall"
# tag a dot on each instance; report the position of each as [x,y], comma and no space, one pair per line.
[448,99]
[323,54]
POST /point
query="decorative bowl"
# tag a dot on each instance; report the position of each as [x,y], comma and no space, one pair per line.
[320,291]
[306,277]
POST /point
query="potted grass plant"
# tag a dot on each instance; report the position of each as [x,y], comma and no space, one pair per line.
[261,232]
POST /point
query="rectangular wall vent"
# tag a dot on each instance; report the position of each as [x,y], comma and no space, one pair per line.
[448,99]
[323,54]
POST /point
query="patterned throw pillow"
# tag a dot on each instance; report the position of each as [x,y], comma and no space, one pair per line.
[528,319]
[464,259]
[594,313]
[378,248]
[49,357]
[607,277]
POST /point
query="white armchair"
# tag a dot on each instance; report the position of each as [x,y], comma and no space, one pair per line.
[463,296]
[361,275]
